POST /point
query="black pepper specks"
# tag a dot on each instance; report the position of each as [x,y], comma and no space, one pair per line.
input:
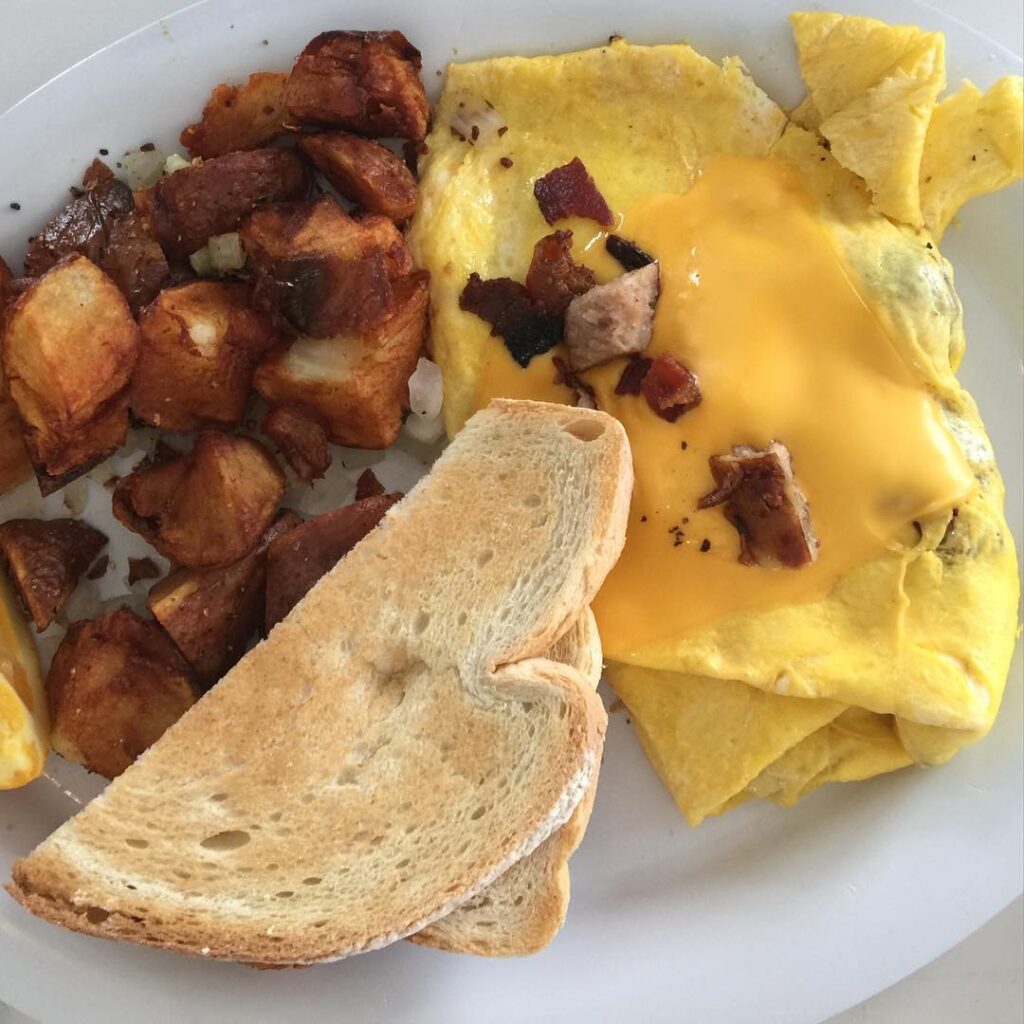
[15,206]
[705,546]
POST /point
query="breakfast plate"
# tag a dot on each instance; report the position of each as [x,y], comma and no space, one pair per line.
[761,914]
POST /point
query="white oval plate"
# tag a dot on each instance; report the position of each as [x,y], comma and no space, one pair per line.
[763,915]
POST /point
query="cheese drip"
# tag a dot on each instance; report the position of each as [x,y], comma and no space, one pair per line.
[757,302]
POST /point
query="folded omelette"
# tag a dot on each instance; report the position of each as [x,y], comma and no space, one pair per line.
[801,280]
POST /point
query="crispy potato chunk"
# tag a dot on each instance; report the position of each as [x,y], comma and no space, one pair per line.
[14,462]
[367,82]
[208,507]
[239,116]
[199,345]
[69,349]
[211,614]
[115,685]
[103,225]
[358,383]
[365,172]
[321,270]
[298,559]
[187,208]
[45,561]
[301,436]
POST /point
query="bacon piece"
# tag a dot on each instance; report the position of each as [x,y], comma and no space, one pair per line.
[368,486]
[762,499]
[301,436]
[363,171]
[296,561]
[611,320]
[670,388]
[632,379]
[367,82]
[239,116]
[45,561]
[629,254]
[188,207]
[569,191]
[526,329]
[554,278]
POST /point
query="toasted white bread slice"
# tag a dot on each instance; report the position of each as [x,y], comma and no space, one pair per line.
[522,911]
[395,745]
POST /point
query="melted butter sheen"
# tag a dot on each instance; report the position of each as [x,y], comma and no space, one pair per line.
[756,301]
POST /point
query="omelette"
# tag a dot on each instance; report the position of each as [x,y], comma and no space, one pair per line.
[802,284]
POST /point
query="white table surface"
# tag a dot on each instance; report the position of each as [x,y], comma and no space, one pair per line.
[980,980]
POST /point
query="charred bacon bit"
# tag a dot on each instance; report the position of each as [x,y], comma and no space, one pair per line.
[633,375]
[611,320]
[670,388]
[569,191]
[526,329]
[554,278]
[565,375]
[762,499]
[45,561]
[301,436]
[368,486]
[629,254]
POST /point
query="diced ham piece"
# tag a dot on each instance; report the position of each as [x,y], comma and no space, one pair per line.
[761,498]
[611,320]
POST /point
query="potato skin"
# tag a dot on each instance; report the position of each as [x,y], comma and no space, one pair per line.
[69,349]
[367,82]
[211,614]
[298,559]
[207,507]
[363,171]
[45,561]
[301,437]
[199,343]
[186,208]
[115,685]
[358,382]
[239,117]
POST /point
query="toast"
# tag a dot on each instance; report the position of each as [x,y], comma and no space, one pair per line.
[397,742]
[522,911]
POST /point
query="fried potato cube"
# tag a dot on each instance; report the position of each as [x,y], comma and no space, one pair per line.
[103,225]
[199,343]
[298,559]
[207,507]
[301,436]
[14,462]
[211,614]
[69,349]
[367,82]
[358,383]
[323,271]
[239,117]
[115,685]
[363,171]
[45,561]
[187,208]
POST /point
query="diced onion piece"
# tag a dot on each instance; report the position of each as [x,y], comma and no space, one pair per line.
[426,390]
[226,252]
[202,262]
[425,429]
[175,162]
[143,167]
